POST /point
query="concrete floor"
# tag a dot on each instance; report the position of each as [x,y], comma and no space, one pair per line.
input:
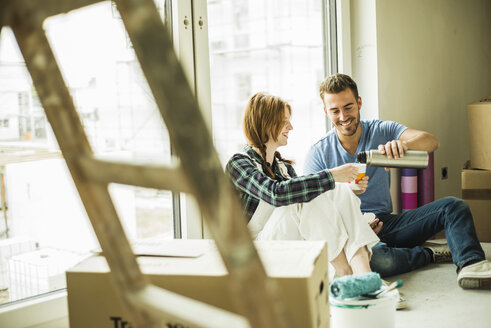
[435,300]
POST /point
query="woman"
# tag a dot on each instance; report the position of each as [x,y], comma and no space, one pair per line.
[280,205]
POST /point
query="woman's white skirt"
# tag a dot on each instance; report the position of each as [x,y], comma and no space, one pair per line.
[333,216]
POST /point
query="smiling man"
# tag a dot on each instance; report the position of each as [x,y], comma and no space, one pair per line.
[403,236]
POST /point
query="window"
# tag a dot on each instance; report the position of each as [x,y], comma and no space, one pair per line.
[252,45]
[266,45]
[43,226]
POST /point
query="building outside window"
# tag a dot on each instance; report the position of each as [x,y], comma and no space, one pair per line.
[273,46]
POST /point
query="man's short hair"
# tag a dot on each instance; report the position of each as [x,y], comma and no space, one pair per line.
[337,83]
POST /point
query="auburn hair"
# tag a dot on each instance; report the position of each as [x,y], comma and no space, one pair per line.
[264,118]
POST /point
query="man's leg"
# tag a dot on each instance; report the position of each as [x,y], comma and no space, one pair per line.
[405,232]
[390,261]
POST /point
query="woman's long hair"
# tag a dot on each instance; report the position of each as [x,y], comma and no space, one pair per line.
[264,118]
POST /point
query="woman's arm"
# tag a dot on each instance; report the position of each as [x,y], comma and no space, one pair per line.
[248,179]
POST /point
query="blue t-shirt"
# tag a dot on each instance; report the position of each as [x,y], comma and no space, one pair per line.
[328,153]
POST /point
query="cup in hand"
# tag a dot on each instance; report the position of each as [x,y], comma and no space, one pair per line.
[361,173]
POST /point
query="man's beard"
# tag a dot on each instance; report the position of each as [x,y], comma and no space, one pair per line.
[349,133]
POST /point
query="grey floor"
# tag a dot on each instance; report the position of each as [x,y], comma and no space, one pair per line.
[435,300]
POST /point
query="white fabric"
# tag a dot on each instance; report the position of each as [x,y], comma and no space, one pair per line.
[333,216]
[264,211]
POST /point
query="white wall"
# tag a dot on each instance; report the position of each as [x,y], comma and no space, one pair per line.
[364,55]
[432,58]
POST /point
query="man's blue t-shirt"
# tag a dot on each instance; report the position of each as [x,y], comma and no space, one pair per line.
[328,153]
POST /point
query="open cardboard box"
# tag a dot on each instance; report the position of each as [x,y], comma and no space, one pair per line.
[194,269]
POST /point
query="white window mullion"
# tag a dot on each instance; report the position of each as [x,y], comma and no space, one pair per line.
[182,13]
[202,58]
[191,45]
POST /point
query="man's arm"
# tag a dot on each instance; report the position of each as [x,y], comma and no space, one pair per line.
[419,140]
[410,139]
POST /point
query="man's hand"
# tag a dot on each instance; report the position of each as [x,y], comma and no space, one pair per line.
[376,225]
[362,184]
[393,149]
[344,173]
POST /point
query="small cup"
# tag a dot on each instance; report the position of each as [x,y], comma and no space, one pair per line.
[361,173]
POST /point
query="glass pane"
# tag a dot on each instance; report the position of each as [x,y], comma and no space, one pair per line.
[266,45]
[146,213]
[43,226]
[105,79]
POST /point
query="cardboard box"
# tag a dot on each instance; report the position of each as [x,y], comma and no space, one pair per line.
[479,121]
[299,268]
[476,191]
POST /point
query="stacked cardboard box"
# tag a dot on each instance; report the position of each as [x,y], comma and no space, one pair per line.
[476,191]
[479,122]
[197,271]
[476,180]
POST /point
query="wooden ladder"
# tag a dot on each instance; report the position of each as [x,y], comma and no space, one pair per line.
[199,171]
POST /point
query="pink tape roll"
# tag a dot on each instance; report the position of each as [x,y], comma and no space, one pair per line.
[409,201]
[409,184]
[409,189]
[426,183]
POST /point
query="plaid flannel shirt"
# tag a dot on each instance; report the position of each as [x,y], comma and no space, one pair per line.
[254,185]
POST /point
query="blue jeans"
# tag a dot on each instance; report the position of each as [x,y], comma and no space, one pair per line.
[399,249]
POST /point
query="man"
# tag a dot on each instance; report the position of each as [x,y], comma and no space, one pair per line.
[403,234]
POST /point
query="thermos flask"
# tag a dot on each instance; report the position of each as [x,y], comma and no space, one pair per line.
[416,159]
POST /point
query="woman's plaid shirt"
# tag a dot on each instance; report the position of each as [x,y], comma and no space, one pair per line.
[254,185]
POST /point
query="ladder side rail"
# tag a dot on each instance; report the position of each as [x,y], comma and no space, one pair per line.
[256,294]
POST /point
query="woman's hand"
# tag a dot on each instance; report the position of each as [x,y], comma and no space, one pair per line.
[362,184]
[344,173]
[376,225]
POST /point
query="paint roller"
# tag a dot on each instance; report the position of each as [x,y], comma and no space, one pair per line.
[355,285]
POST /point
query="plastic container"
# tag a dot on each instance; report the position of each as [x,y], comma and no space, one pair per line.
[362,168]
[366,313]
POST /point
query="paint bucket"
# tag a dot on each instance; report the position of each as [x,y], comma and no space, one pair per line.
[367,313]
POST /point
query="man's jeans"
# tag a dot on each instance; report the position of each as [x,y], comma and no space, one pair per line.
[399,249]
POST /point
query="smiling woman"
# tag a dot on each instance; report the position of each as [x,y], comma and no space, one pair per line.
[266,130]
[287,126]
[281,205]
